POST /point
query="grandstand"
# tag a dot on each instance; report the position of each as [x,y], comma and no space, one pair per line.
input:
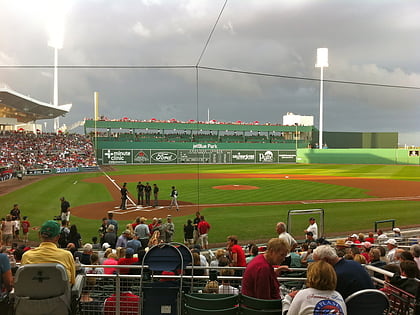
[20,112]
[26,149]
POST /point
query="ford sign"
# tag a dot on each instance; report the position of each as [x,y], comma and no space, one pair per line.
[164,157]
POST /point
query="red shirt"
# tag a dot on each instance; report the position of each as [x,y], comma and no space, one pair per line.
[25,226]
[260,280]
[203,227]
[129,304]
[126,261]
[240,255]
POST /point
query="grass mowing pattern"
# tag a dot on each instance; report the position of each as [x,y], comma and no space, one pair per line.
[40,201]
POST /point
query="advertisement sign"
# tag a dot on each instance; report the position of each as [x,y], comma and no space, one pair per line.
[67,170]
[141,156]
[164,156]
[193,156]
[111,156]
[39,171]
[287,156]
[267,156]
[243,156]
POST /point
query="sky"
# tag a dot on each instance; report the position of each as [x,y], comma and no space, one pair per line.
[161,59]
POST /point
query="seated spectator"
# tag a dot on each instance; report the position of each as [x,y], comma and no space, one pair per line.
[320,296]
[375,261]
[253,252]
[48,252]
[382,250]
[196,262]
[392,246]
[203,259]
[382,237]
[94,260]
[111,260]
[360,259]
[415,251]
[129,302]
[127,260]
[351,276]
[6,278]
[211,287]
[236,252]
[404,255]
[218,254]
[308,256]
[366,247]
[370,238]
[87,252]
[108,250]
[225,287]
[410,271]
[395,269]
[295,261]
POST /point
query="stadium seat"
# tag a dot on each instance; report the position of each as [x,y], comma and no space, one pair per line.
[367,302]
[198,311]
[45,289]
[251,305]
[209,301]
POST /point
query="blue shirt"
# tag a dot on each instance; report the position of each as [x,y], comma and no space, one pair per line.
[351,277]
[4,267]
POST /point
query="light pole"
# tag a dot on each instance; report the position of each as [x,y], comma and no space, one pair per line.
[55,26]
[321,62]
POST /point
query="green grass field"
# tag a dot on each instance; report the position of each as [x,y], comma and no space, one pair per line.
[40,201]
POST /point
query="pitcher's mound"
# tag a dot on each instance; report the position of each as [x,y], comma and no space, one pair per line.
[236,187]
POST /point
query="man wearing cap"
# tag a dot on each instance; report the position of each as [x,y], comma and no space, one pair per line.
[397,234]
[124,193]
[169,229]
[123,239]
[313,227]
[391,244]
[48,252]
[382,237]
[143,233]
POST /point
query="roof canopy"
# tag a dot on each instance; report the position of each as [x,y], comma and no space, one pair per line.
[26,109]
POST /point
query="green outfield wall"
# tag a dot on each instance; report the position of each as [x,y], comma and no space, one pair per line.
[359,156]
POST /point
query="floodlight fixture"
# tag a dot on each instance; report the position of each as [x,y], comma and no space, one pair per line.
[321,62]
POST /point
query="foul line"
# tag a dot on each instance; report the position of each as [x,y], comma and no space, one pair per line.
[118,187]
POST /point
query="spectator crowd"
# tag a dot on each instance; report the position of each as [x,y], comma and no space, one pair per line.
[26,150]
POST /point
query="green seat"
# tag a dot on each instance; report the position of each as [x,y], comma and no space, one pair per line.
[210,301]
[189,310]
[251,305]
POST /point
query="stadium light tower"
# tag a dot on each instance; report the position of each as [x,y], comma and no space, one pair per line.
[321,62]
[56,37]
